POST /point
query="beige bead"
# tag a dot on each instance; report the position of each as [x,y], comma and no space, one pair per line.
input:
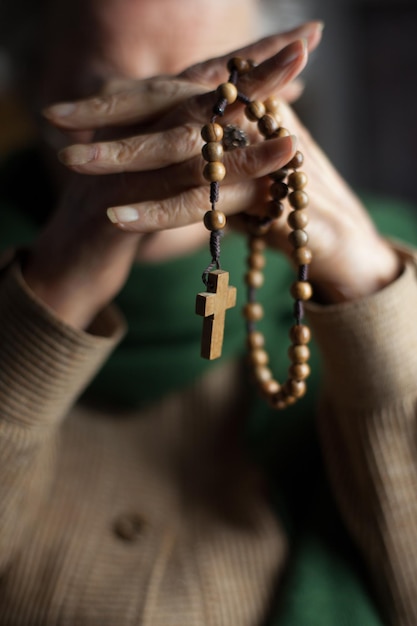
[256,261]
[278,190]
[254,278]
[241,66]
[277,401]
[289,400]
[269,387]
[253,311]
[298,199]
[213,151]
[212,132]
[275,209]
[257,245]
[296,161]
[214,220]
[298,238]
[267,125]
[295,388]
[258,357]
[301,290]
[272,104]
[302,256]
[228,91]
[282,132]
[299,371]
[255,340]
[214,172]
[262,373]
[299,353]
[298,219]
[297,180]
[255,110]
[300,334]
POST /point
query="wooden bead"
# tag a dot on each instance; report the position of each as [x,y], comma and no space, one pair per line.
[255,110]
[253,311]
[298,199]
[297,219]
[255,340]
[272,104]
[282,132]
[256,261]
[269,387]
[300,334]
[295,388]
[279,175]
[228,91]
[254,278]
[262,373]
[278,400]
[299,371]
[214,172]
[267,125]
[289,400]
[302,256]
[301,290]
[213,151]
[275,209]
[212,132]
[258,357]
[298,238]
[299,353]
[214,220]
[297,180]
[257,245]
[296,161]
[278,190]
[241,66]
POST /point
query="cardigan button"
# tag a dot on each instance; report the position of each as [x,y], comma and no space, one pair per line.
[129,526]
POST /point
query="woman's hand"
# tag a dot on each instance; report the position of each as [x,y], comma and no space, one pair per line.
[350,258]
[81,260]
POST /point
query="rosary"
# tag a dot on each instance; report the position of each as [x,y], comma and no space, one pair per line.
[219,295]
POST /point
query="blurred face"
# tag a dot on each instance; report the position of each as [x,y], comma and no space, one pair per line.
[146,37]
[88,41]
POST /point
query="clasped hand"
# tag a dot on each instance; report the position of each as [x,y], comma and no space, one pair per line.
[145,166]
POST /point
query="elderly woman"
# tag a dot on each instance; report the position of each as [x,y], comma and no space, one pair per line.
[167,493]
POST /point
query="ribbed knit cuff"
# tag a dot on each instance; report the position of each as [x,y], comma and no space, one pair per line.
[369,346]
[44,363]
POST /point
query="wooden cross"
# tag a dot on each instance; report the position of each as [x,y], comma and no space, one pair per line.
[212,305]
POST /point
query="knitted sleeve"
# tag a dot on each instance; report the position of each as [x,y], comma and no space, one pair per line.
[44,366]
[368,430]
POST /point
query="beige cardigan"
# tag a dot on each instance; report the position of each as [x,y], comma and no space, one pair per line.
[101,522]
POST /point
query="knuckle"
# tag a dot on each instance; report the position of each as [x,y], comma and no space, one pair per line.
[190,140]
[246,163]
[125,152]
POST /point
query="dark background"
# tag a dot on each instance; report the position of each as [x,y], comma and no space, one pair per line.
[360,100]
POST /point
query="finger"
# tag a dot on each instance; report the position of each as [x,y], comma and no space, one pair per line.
[212,72]
[154,96]
[176,209]
[184,209]
[139,153]
[149,99]
[265,79]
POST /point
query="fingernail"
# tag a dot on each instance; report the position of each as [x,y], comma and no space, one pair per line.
[294,142]
[292,52]
[122,214]
[77,155]
[60,110]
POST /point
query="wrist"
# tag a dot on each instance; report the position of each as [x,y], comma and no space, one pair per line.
[358,277]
